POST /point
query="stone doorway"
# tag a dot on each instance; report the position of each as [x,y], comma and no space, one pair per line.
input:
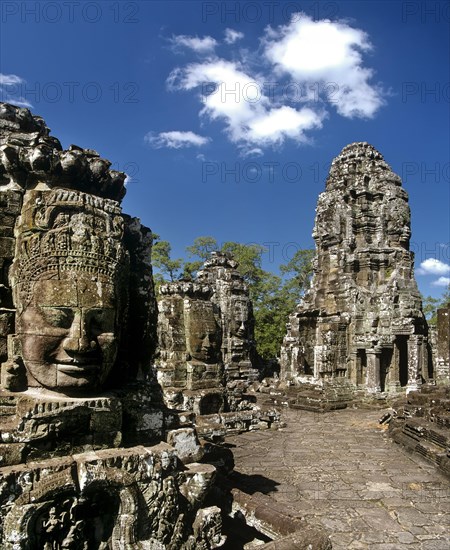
[401,343]
[385,364]
[211,403]
[361,367]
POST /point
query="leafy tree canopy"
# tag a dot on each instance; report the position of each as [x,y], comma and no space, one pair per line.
[431,305]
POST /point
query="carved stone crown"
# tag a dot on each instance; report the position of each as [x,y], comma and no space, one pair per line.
[186,289]
[221,259]
[63,230]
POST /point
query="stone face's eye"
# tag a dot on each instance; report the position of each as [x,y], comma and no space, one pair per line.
[101,320]
[58,317]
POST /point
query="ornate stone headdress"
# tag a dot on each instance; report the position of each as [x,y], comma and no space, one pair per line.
[63,230]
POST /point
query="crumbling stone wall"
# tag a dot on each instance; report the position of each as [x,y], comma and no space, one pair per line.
[442,351]
[361,319]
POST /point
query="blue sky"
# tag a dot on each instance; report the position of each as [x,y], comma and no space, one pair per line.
[226,115]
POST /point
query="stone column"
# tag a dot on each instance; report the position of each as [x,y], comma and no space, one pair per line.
[373,370]
[414,363]
[353,367]
[394,375]
[424,361]
[317,361]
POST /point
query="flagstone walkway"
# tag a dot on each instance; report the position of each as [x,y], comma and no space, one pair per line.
[340,470]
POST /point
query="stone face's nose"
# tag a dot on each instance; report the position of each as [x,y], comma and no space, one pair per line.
[241,330]
[78,339]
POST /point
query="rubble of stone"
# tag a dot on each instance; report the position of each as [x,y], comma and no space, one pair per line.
[207,360]
[324,397]
[360,325]
[422,425]
[279,522]
[90,455]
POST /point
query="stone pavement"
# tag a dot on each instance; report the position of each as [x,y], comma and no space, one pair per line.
[340,470]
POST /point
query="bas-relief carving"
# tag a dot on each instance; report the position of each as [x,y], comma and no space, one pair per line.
[111,499]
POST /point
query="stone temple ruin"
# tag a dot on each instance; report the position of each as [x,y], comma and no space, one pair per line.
[360,325]
[85,454]
[104,392]
[207,357]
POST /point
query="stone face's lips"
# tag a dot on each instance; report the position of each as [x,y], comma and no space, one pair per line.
[77,368]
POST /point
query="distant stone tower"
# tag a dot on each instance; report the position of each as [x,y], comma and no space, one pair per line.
[207,355]
[361,319]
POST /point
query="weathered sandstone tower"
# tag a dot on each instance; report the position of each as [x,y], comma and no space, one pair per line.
[361,320]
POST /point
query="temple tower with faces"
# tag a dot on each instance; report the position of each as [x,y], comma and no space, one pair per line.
[361,320]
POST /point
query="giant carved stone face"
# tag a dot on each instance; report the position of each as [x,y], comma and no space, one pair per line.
[203,332]
[68,280]
[68,332]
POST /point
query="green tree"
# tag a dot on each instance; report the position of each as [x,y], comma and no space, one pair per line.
[161,260]
[278,300]
[298,272]
[249,258]
[430,306]
[202,248]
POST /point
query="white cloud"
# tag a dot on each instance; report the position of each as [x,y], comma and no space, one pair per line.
[254,152]
[231,36]
[276,124]
[11,89]
[323,59]
[326,56]
[230,94]
[10,79]
[199,45]
[432,266]
[175,139]
[442,281]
